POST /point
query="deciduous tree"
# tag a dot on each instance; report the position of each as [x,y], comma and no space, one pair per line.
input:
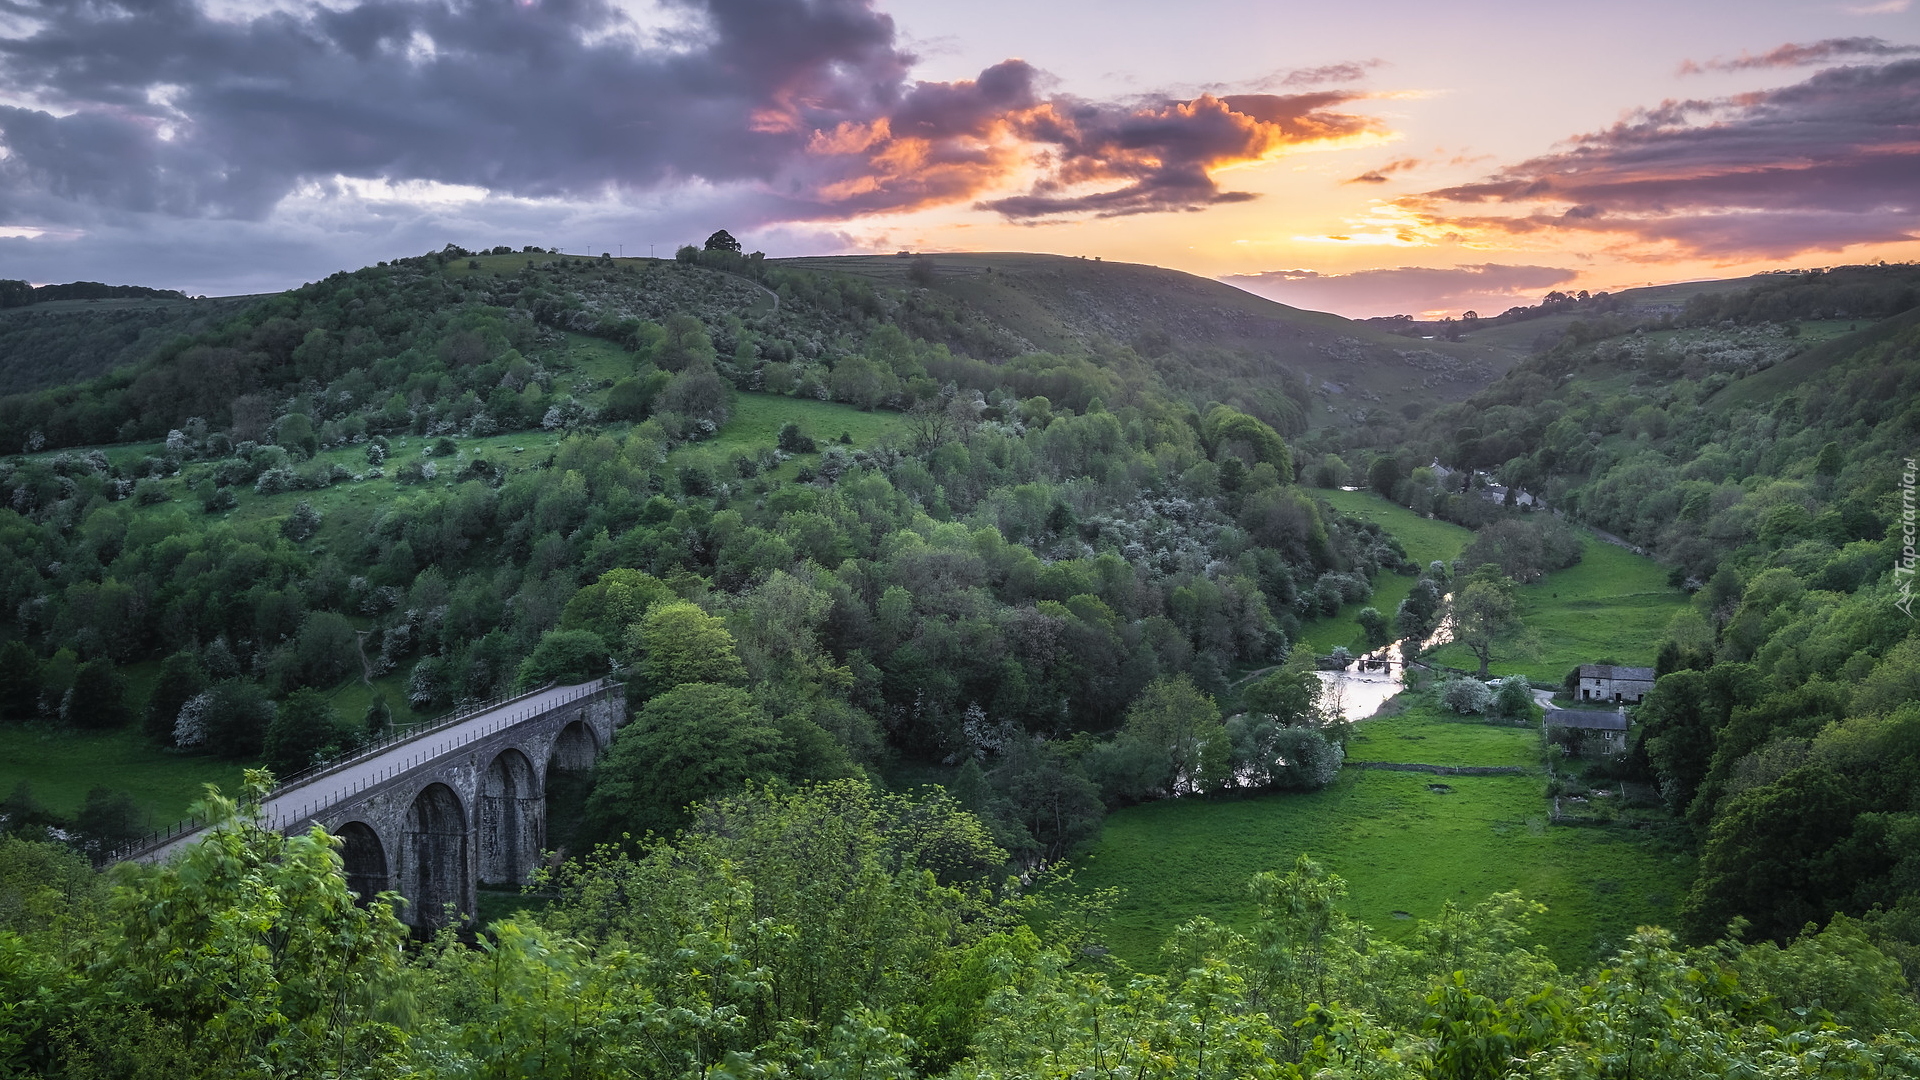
[690,742]
[678,643]
[1174,717]
[305,730]
[1481,613]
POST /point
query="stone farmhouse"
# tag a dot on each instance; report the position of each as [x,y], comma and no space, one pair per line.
[1620,685]
[1608,729]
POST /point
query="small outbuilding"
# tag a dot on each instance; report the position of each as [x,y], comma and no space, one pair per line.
[1606,682]
[1608,729]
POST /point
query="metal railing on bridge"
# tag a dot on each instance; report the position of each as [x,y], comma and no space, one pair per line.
[458,715]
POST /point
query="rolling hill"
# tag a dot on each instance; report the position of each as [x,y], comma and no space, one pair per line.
[1064,304]
[62,341]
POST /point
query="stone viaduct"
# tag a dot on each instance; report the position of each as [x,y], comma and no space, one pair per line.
[434,813]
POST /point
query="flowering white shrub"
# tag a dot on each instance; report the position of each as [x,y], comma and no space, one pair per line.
[1466,696]
[190,727]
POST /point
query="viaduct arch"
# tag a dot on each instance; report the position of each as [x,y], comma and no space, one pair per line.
[434,814]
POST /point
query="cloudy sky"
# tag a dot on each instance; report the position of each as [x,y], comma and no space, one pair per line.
[1367,158]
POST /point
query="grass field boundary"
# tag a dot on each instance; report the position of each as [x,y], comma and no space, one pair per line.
[1443,770]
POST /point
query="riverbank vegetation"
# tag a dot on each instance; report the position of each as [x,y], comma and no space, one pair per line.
[1764,468]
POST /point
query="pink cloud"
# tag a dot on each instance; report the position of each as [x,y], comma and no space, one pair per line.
[1819,165]
[1791,55]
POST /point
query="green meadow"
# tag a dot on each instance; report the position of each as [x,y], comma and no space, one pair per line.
[1424,732]
[757,420]
[1612,606]
[1406,843]
[61,766]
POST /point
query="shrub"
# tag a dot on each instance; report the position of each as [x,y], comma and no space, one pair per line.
[230,719]
[1466,696]
[795,441]
[305,731]
[566,656]
[109,818]
[326,649]
[98,698]
[1515,699]
[1374,625]
[302,524]
[1307,759]
[427,684]
[274,481]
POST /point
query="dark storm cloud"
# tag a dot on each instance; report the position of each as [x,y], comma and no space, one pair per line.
[1791,55]
[157,107]
[1825,163]
[938,143]
[1488,287]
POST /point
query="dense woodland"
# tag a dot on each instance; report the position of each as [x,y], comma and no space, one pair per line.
[48,345]
[1069,582]
[1771,475]
[998,581]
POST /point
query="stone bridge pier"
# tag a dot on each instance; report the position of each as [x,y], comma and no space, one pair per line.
[476,812]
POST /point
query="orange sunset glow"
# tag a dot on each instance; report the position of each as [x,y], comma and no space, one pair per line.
[1421,166]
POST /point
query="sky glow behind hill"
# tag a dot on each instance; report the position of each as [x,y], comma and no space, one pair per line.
[1366,159]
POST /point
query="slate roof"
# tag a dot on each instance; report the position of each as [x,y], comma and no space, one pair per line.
[1609,671]
[1588,719]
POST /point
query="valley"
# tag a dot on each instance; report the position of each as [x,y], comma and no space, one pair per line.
[1061,559]
[1088,541]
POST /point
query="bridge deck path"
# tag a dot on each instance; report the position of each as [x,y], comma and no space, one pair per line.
[305,798]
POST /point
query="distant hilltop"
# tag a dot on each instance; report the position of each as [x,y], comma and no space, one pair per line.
[14,293]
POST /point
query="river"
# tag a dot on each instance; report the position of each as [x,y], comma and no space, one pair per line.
[1357,693]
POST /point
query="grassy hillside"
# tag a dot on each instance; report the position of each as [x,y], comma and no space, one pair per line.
[61,766]
[1835,342]
[1424,538]
[754,426]
[1065,304]
[1522,335]
[1611,606]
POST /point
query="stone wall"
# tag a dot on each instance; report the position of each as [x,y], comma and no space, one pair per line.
[476,814]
